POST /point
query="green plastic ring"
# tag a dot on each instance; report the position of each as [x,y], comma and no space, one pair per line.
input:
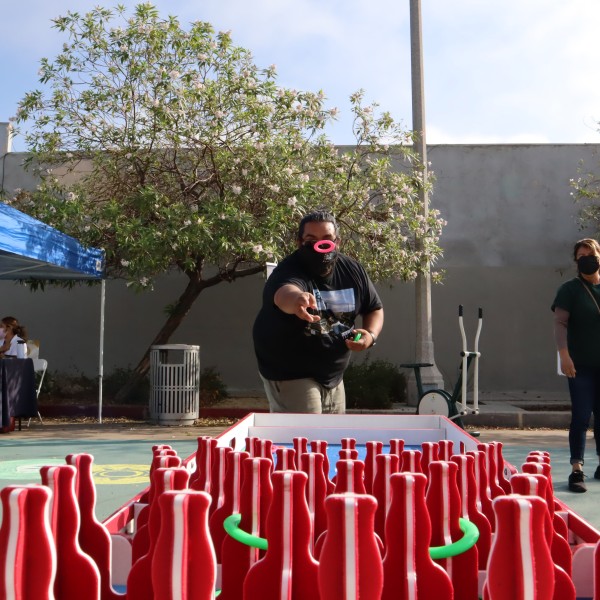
[466,542]
[232,527]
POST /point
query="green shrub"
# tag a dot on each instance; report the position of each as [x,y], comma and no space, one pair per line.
[212,387]
[61,385]
[67,387]
[374,385]
[113,382]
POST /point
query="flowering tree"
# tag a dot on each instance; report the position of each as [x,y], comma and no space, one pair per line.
[587,191]
[169,148]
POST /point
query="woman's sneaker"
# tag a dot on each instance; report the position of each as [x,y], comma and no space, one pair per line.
[576,483]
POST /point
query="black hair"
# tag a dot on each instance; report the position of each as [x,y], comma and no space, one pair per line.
[317,216]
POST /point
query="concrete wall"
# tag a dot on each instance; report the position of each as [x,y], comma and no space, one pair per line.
[507,247]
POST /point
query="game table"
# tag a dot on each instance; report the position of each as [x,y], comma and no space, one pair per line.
[17,386]
[370,527]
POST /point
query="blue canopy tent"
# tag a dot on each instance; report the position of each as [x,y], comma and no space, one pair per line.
[30,249]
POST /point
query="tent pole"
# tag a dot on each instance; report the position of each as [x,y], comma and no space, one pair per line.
[101,351]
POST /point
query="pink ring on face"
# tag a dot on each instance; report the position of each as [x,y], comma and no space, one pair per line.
[324,246]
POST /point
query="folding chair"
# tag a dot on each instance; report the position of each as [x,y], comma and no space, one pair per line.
[33,348]
[39,366]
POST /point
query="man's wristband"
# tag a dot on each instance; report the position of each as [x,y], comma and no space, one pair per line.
[373,337]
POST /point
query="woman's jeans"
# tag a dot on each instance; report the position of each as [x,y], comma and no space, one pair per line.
[585,401]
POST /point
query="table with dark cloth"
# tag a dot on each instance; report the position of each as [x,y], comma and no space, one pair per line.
[19,400]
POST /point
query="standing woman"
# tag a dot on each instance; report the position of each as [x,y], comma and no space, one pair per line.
[577,333]
[13,334]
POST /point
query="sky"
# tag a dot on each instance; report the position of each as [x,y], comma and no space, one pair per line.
[510,71]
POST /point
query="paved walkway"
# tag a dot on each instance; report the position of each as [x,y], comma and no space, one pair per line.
[518,410]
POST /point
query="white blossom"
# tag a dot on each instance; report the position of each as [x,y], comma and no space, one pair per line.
[236,189]
[292,201]
[124,263]
[257,248]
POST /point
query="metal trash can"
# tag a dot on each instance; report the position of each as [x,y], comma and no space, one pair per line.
[174,383]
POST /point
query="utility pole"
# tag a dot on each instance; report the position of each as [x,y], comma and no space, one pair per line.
[431,376]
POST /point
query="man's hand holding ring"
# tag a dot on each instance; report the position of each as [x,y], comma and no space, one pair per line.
[307,303]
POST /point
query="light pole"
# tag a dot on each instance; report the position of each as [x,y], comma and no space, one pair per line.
[431,376]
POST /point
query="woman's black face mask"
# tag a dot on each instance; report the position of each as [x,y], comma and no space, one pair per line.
[318,264]
[588,265]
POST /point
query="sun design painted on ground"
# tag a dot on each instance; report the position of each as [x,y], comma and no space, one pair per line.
[115,474]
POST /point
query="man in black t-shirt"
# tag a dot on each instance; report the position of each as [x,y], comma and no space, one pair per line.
[304,332]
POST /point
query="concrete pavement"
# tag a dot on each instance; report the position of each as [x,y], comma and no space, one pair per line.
[514,410]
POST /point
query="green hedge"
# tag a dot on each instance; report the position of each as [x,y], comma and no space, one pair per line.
[374,385]
[80,388]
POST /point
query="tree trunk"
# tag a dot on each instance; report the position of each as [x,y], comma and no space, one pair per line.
[180,310]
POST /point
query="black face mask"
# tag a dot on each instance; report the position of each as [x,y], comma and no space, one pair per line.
[316,263]
[588,265]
